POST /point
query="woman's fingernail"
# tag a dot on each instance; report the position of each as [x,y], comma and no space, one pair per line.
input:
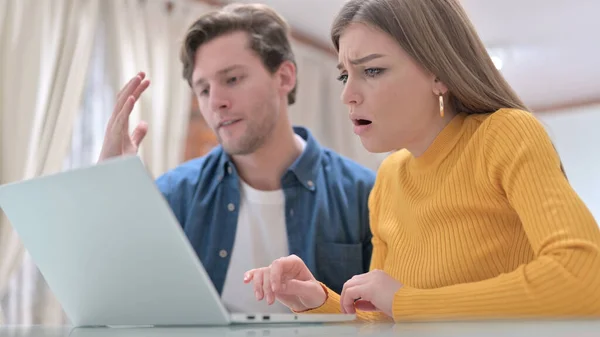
[257,295]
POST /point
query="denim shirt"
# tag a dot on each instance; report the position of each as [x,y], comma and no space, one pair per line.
[326,211]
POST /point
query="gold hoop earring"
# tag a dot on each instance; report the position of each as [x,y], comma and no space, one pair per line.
[441,105]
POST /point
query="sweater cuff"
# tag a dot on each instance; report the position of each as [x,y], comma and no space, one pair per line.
[330,306]
[401,306]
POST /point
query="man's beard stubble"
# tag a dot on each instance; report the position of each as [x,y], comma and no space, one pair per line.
[252,139]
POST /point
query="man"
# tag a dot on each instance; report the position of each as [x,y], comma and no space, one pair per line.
[269,189]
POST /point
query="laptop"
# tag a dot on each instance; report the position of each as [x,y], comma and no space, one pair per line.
[236,330]
[114,254]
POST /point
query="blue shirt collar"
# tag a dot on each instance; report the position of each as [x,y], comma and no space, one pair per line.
[305,168]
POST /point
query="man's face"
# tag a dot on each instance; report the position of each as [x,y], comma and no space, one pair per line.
[238,97]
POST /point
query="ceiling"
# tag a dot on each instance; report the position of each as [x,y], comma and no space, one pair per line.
[550,49]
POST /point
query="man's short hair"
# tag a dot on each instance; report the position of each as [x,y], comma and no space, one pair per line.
[268,35]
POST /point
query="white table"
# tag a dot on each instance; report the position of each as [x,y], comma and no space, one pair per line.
[454,329]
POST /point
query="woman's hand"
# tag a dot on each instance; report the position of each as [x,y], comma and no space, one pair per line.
[373,291]
[290,282]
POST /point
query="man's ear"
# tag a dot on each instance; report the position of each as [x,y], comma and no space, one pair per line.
[287,77]
[438,87]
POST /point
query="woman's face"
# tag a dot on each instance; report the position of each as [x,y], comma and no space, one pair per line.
[393,101]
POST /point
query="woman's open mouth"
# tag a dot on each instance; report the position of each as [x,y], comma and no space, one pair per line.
[361,125]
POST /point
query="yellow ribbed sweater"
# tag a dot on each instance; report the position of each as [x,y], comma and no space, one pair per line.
[483,225]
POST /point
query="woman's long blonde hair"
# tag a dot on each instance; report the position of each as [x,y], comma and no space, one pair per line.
[439,36]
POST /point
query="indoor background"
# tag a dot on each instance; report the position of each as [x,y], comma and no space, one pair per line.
[62,62]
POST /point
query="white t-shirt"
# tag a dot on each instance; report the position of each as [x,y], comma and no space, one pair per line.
[260,238]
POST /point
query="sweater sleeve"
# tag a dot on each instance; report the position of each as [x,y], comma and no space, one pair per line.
[563,279]
[333,304]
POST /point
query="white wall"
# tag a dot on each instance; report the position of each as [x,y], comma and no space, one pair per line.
[576,135]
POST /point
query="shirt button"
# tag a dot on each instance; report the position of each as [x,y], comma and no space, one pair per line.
[291,212]
[229,169]
[223,253]
[231,207]
[310,183]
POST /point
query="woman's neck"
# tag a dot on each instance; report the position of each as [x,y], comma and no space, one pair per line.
[421,144]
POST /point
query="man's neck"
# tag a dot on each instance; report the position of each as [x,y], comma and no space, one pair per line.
[264,168]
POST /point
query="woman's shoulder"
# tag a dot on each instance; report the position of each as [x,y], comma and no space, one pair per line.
[511,120]
[513,128]
[508,133]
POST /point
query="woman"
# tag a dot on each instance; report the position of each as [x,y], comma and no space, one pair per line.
[474,217]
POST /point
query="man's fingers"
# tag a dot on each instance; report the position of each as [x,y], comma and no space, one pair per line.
[141,75]
[126,93]
[140,89]
[139,133]
[120,93]
[118,127]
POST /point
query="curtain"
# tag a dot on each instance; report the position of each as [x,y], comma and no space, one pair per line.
[130,35]
[45,48]
[146,36]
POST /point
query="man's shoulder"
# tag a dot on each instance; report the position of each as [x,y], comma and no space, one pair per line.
[191,172]
[347,168]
